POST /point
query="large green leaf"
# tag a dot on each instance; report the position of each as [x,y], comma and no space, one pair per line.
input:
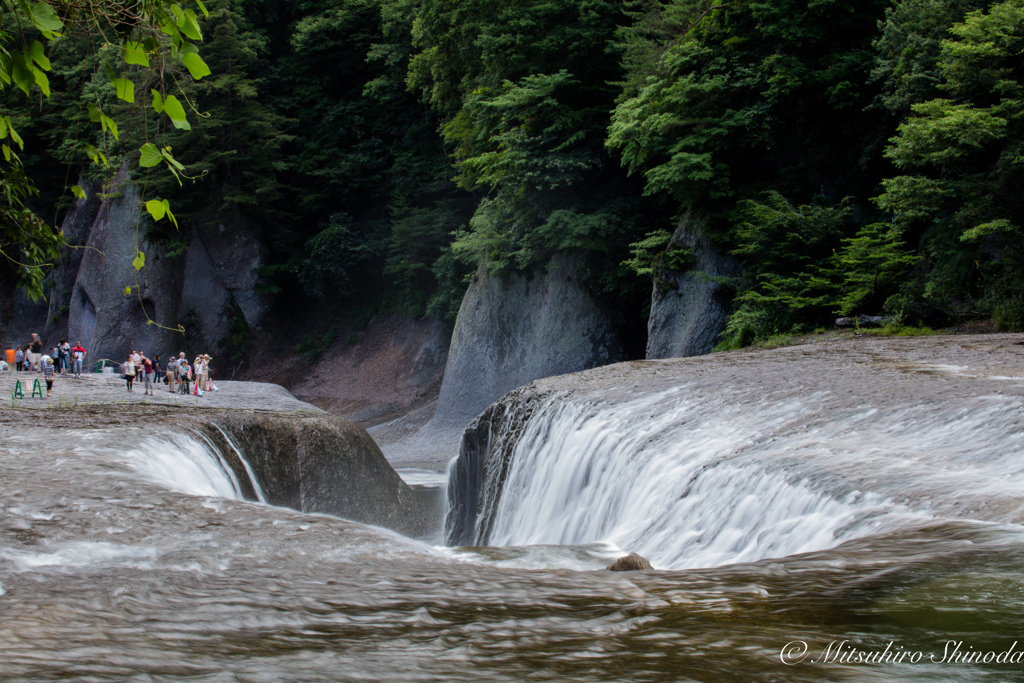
[45,19]
[195,65]
[157,208]
[189,25]
[125,89]
[149,155]
[135,53]
[39,55]
[173,108]
[41,80]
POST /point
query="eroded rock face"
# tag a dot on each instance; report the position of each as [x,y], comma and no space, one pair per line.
[320,463]
[109,305]
[514,329]
[109,320]
[687,317]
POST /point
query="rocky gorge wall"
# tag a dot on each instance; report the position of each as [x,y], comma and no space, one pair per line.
[96,295]
[689,314]
[517,328]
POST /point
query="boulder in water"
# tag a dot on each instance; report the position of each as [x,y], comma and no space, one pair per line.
[630,563]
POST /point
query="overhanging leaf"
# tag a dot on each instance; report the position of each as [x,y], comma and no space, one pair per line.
[158,101]
[41,80]
[125,89]
[108,124]
[190,25]
[139,261]
[45,19]
[173,108]
[39,55]
[78,191]
[135,53]
[149,155]
[195,65]
[157,208]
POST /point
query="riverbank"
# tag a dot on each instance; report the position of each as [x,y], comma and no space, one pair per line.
[94,389]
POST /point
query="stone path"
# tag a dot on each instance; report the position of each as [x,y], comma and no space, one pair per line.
[100,389]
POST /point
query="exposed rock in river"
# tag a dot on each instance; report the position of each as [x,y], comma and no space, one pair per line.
[630,563]
[689,311]
[322,464]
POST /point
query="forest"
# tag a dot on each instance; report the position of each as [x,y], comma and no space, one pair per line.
[852,157]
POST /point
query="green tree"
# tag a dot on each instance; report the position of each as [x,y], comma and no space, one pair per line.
[961,157]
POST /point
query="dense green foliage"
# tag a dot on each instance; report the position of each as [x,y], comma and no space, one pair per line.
[853,157]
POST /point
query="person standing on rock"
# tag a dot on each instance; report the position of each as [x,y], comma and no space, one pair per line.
[48,373]
[147,374]
[206,372]
[64,349]
[198,368]
[172,374]
[137,359]
[37,351]
[77,359]
[129,371]
[184,374]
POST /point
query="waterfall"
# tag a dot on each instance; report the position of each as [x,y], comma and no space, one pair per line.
[189,464]
[690,480]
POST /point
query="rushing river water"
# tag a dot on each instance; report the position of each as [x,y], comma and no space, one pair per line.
[793,538]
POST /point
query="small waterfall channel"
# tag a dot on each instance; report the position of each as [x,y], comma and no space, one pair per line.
[190,463]
[692,480]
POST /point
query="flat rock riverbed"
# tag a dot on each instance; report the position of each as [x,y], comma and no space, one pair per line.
[95,389]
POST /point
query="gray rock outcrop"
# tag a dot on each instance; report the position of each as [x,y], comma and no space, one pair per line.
[97,295]
[323,464]
[517,328]
[690,313]
[101,312]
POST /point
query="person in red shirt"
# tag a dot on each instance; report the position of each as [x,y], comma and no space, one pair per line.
[77,359]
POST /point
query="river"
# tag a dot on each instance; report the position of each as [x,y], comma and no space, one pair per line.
[795,540]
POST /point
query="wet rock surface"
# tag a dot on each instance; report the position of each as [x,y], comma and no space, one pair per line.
[303,458]
[887,376]
[630,563]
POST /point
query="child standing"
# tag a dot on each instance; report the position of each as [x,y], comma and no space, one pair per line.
[129,371]
[48,373]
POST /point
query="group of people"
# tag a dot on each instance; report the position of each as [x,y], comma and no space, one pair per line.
[64,357]
[181,377]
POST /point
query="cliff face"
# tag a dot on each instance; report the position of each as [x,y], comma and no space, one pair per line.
[510,331]
[97,296]
[514,329]
[687,318]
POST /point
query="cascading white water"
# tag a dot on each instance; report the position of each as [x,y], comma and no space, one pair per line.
[696,482]
[185,464]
